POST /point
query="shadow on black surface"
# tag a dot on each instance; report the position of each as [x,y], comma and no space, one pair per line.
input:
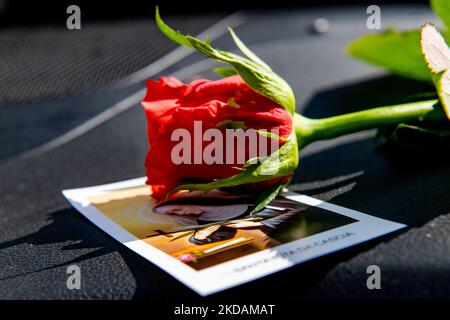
[298,282]
[409,181]
[391,185]
[401,187]
[395,197]
[64,226]
[365,94]
[68,226]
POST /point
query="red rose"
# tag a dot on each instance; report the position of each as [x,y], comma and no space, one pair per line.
[169,105]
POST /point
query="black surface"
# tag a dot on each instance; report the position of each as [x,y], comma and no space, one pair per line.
[49,61]
[40,235]
[35,12]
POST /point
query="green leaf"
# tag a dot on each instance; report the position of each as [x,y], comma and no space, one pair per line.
[225,71]
[267,196]
[395,51]
[176,36]
[442,9]
[279,164]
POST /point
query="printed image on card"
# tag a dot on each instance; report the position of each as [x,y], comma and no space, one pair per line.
[211,243]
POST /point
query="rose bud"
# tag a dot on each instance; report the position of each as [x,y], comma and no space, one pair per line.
[180,118]
[254,102]
[188,124]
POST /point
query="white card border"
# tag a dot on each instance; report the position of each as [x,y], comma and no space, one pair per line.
[223,276]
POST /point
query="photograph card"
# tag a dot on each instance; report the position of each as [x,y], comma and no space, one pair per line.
[210,242]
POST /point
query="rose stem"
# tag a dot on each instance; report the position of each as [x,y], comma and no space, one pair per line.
[310,130]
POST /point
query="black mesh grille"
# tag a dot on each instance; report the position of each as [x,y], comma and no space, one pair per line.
[49,61]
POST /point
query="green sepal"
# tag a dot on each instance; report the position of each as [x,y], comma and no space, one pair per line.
[225,71]
[267,196]
[263,81]
[268,134]
[208,39]
[175,36]
[245,50]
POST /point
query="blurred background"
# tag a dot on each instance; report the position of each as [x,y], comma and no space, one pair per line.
[41,59]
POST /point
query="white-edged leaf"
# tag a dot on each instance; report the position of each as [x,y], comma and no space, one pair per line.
[437,57]
[434,48]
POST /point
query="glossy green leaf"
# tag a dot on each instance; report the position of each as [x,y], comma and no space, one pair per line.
[442,9]
[398,52]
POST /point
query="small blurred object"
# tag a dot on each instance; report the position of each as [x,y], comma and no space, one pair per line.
[320,26]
